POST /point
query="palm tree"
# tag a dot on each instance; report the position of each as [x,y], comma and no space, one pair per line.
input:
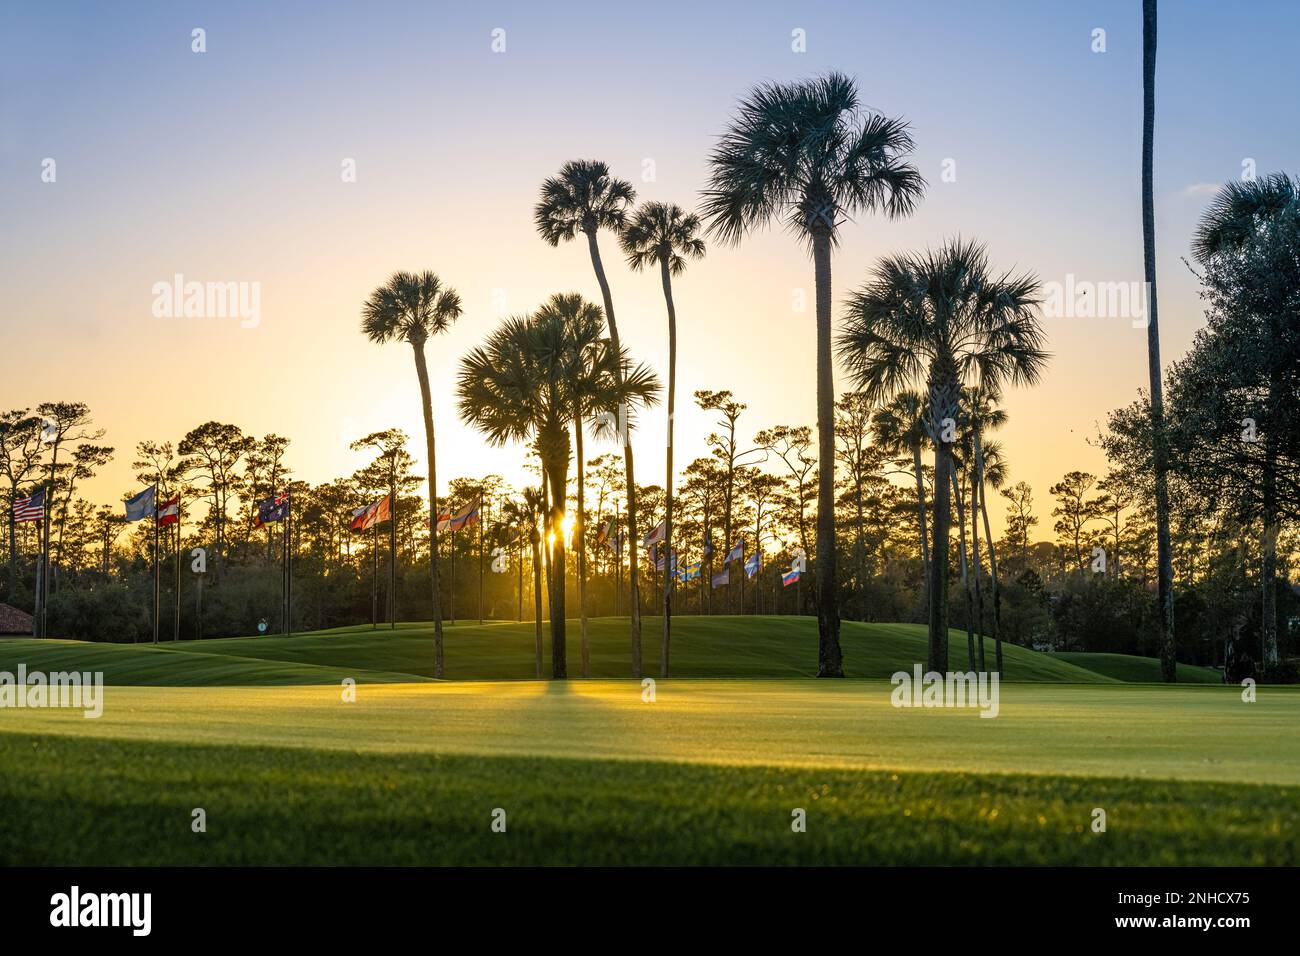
[1245,216]
[804,153]
[586,325]
[1160,456]
[900,429]
[526,383]
[413,308]
[662,233]
[992,471]
[585,198]
[943,318]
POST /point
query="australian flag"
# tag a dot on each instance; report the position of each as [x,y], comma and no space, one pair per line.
[275,508]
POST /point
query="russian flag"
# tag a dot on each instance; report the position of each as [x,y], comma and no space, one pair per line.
[789,578]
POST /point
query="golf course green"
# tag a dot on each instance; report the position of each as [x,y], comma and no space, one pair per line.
[400,769]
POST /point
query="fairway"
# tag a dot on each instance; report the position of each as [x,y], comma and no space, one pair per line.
[710,771]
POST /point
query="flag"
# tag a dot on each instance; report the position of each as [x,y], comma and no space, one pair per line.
[659,561]
[616,545]
[376,512]
[465,516]
[689,573]
[657,535]
[275,508]
[708,545]
[605,533]
[358,518]
[31,508]
[444,520]
[170,512]
[722,577]
[737,552]
[142,505]
[752,565]
[789,578]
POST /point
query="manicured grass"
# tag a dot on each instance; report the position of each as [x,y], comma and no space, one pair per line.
[147,665]
[1138,670]
[703,646]
[707,773]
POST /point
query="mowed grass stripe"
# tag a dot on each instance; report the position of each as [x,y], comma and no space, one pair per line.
[95,803]
[1146,732]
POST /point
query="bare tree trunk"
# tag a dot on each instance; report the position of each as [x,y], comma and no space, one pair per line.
[668,472]
[537,602]
[830,660]
[977,565]
[965,577]
[920,517]
[634,597]
[993,560]
[580,536]
[1165,587]
[559,658]
[422,371]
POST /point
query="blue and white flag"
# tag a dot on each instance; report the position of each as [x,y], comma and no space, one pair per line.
[752,565]
[737,552]
[142,505]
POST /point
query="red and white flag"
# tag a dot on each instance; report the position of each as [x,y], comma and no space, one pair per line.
[170,512]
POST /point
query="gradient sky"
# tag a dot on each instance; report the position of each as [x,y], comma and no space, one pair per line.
[225,166]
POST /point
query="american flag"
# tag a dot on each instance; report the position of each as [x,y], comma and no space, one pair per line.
[31,508]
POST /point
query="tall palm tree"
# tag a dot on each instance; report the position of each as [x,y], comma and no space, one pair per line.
[900,429]
[662,233]
[1160,455]
[414,307]
[523,384]
[586,327]
[944,318]
[804,153]
[1246,218]
[584,198]
[991,467]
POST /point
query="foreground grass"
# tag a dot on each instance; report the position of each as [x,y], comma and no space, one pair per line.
[89,803]
[1137,670]
[703,646]
[707,773]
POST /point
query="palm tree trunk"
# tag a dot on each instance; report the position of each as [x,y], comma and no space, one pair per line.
[920,517]
[537,602]
[580,536]
[1165,587]
[944,394]
[830,661]
[978,566]
[993,558]
[634,597]
[965,576]
[559,656]
[422,371]
[668,472]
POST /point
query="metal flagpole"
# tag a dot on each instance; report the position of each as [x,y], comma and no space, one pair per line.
[176,625]
[482,519]
[156,578]
[392,555]
[374,576]
[288,562]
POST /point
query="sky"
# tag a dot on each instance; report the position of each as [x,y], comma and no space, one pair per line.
[229,165]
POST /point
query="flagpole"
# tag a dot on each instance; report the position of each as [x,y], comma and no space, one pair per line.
[392,556]
[374,577]
[482,519]
[156,578]
[176,624]
[288,562]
